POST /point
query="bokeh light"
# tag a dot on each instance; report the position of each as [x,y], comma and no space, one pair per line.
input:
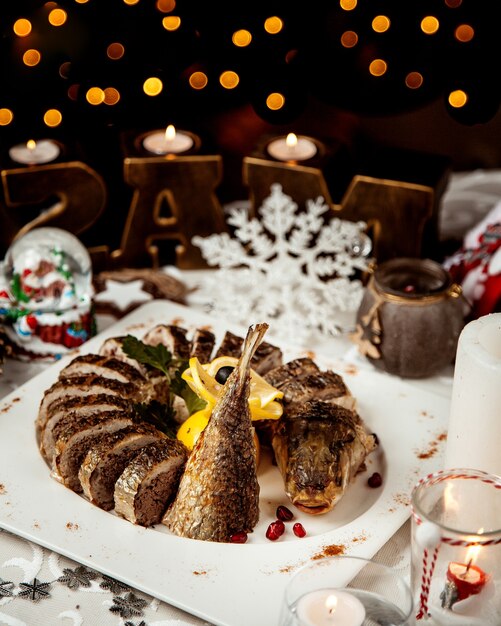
[6,117]
[349,39]
[275,101]
[464,33]
[57,17]
[429,25]
[171,22]
[414,80]
[273,25]
[115,51]
[241,38]
[95,95]
[52,118]
[380,23]
[152,86]
[229,79]
[348,5]
[198,80]
[378,67]
[111,96]
[166,6]
[457,98]
[31,57]
[22,27]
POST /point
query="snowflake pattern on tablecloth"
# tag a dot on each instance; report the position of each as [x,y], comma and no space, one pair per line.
[295,268]
[6,587]
[128,606]
[78,577]
[115,586]
[35,591]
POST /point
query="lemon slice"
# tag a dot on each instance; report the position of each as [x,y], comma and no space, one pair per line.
[262,398]
[202,383]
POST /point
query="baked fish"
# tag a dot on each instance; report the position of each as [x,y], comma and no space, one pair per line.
[319,446]
[219,492]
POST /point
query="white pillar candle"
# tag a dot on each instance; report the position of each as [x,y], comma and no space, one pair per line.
[169,141]
[329,607]
[35,152]
[292,148]
[474,435]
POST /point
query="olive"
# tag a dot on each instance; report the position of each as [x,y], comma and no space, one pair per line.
[223,374]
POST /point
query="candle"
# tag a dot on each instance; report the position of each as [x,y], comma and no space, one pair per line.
[469,579]
[292,148]
[168,142]
[35,152]
[330,607]
[474,424]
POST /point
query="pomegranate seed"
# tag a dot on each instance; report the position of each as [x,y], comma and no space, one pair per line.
[284,514]
[240,537]
[275,530]
[298,530]
[375,480]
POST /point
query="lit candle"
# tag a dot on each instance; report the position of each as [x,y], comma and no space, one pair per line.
[292,148]
[330,607]
[168,142]
[468,578]
[35,152]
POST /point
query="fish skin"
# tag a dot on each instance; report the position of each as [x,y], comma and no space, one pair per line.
[219,493]
[319,446]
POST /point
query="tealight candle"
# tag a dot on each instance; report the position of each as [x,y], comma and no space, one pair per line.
[292,148]
[35,152]
[330,607]
[168,142]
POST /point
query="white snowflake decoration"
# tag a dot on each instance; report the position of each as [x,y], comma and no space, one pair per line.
[289,267]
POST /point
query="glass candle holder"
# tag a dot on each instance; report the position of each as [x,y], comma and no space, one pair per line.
[456,548]
[346,591]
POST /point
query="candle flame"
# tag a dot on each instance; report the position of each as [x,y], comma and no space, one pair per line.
[331,604]
[473,551]
[291,140]
[31,144]
[170,133]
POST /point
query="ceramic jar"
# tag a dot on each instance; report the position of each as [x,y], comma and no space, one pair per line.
[410,318]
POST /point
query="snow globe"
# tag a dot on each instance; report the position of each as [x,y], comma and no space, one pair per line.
[46,294]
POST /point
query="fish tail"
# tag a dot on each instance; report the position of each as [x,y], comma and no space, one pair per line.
[252,340]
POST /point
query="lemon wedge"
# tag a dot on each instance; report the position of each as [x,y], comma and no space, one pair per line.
[263,396]
[190,429]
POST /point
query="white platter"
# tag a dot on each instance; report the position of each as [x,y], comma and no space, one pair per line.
[227,584]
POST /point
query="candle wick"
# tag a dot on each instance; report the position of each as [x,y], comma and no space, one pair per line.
[468,567]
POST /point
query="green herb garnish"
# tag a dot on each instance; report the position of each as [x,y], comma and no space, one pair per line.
[160,358]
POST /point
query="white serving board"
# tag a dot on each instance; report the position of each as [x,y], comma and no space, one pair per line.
[226,584]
